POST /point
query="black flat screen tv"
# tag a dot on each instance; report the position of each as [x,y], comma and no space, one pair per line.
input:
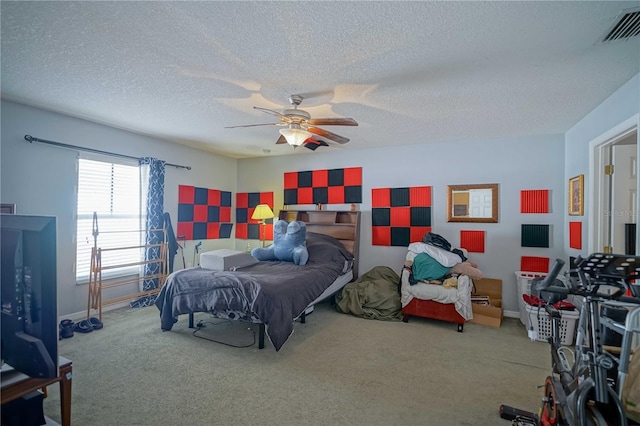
[29,338]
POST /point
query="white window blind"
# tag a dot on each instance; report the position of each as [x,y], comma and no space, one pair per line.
[112,191]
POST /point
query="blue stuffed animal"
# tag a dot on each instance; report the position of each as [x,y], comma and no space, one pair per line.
[289,244]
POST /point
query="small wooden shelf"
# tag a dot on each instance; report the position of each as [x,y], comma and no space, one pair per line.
[16,385]
[342,225]
[321,217]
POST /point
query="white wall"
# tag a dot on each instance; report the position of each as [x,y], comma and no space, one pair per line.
[41,178]
[618,108]
[515,164]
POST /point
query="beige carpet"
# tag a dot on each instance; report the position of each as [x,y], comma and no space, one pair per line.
[336,369]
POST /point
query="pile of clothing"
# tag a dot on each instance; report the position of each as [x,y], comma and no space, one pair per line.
[435,271]
[433,261]
[380,293]
[372,296]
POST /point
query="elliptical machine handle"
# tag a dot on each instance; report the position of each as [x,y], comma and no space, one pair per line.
[549,279]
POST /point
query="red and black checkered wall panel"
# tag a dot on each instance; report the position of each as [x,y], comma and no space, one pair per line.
[334,186]
[246,227]
[400,216]
[203,214]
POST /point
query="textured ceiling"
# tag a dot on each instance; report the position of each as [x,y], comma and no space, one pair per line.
[407,72]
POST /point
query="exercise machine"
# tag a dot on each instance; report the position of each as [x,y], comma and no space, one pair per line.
[579,391]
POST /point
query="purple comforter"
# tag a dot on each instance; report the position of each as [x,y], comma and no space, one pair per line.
[271,292]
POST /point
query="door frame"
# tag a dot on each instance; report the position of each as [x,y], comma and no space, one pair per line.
[597,182]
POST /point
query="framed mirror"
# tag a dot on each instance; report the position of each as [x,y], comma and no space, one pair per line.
[472,203]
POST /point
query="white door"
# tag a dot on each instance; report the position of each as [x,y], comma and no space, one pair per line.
[480,203]
[612,203]
[624,193]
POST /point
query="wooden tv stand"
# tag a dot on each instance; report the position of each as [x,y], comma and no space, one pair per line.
[16,385]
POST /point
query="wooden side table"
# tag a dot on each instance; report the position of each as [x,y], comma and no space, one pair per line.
[16,385]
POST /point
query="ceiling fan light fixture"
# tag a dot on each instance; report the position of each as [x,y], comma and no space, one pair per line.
[298,123]
[295,137]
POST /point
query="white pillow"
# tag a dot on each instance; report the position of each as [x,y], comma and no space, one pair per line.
[444,257]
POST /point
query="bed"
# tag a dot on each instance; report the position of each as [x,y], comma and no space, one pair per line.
[451,304]
[272,294]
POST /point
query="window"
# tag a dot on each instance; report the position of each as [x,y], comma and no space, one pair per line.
[112,191]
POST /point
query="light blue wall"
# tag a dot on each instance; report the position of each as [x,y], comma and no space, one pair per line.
[41,179]
[621,106]
[515,164]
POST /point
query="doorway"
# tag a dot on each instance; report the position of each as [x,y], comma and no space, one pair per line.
[613,211]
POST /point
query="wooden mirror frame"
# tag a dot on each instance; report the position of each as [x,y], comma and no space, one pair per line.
[494,203]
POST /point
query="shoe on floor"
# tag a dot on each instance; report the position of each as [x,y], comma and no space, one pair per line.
[83,326]
[95,323]
[66,328]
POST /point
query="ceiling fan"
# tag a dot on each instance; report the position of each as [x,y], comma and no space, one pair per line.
[301,129]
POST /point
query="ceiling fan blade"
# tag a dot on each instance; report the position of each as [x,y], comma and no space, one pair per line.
[313,144]
[280,140]
[327,134]
[317,94]
[333,122]
[254,125]
[282,117]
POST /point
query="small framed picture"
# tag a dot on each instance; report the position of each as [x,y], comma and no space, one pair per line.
[576,196]
[8,208]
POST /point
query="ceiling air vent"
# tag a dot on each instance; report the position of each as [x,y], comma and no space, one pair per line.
[627,25]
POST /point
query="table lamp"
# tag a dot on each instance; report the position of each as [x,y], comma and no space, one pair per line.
[262,212]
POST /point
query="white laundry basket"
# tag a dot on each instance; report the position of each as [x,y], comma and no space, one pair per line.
[537,319]
[524,287]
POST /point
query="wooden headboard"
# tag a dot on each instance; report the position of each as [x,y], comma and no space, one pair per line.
[341,225]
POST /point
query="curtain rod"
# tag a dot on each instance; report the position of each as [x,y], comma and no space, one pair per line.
[31,139]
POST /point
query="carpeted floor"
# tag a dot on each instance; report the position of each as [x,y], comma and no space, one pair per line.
[336,369]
